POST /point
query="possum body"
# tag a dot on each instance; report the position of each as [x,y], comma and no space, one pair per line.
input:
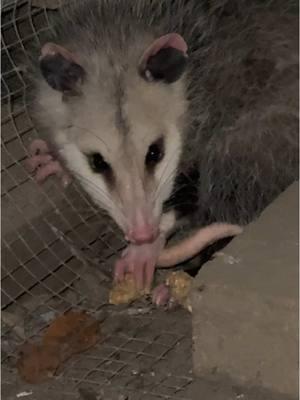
[185,106]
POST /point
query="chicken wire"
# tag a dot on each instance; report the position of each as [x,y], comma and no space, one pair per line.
[57,253]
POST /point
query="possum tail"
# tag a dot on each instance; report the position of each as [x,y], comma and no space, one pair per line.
[198,241]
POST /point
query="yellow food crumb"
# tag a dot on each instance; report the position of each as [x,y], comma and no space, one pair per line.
[179,283]
[125,292]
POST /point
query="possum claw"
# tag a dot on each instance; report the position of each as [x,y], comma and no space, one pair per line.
[37,161]
[38,146]
[161,295]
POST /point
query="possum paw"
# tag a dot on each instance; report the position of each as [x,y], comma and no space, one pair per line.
[139,260]
[42,163]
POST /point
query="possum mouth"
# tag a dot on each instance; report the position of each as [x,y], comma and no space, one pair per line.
[192,245]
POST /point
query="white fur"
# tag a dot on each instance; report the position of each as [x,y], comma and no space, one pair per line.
[167,169]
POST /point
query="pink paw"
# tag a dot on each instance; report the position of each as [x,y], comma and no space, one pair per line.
[140,260]
[161,295]
[43,164]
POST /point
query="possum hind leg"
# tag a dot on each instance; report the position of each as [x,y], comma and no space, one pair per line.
[43,164]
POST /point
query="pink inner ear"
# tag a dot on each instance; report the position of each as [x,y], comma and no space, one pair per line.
[50,49]
[170,40]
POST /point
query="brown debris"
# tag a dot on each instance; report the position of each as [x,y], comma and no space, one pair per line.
[37,362]
[69,334]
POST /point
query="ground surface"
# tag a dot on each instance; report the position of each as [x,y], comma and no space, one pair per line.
[145,356]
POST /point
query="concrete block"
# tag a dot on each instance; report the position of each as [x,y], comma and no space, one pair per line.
[245,303]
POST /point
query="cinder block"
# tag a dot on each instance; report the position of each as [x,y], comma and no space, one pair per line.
[245,303]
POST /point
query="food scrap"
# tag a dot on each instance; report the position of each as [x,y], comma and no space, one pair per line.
[67,335]
[179,284]
[125,292]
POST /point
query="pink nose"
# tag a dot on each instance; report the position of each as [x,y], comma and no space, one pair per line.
[142,235]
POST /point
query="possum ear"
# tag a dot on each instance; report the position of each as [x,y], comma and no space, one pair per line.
[165,59]
[60,68]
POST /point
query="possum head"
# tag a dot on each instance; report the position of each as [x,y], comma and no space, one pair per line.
[119,127]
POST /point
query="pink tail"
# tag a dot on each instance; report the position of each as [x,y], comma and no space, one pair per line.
[191,246]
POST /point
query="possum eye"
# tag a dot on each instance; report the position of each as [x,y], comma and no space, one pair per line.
[155,153]
[98,164]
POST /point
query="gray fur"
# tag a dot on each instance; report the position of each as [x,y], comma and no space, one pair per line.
[241,127]
[121,121]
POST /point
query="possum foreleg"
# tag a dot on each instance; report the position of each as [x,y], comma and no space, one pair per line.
[141,260]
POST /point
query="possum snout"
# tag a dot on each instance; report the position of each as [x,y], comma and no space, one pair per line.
[143,228]
[135,194]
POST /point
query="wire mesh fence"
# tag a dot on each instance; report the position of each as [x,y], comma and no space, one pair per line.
[57,253]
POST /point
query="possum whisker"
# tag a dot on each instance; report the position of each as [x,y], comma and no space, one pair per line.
[173,205]
[92,133]
[178,192]
[162,181]
[85,213]
[166,166]
[92,185]
[178,188]
[109,208]
[181,186]
[104,195]
[175,153]
[107,147]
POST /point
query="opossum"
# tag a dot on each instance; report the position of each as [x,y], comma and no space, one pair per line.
[167,110]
